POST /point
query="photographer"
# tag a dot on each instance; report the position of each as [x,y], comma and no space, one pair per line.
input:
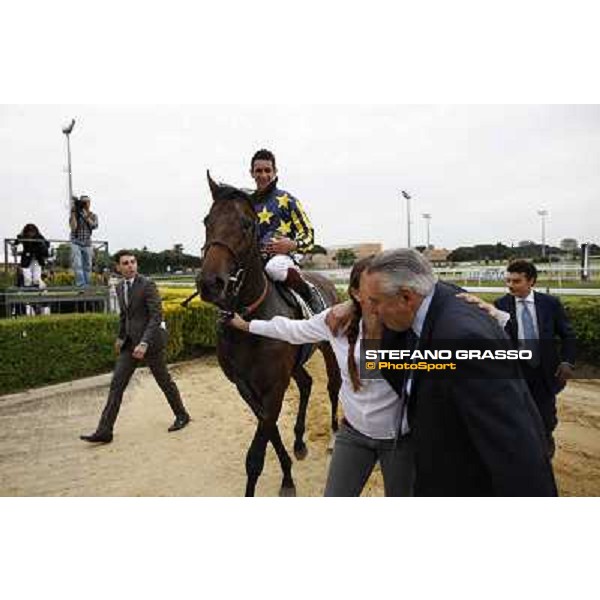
[82,222]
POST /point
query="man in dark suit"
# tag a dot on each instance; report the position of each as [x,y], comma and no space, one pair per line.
[142,335]
[481,436]
[536,320]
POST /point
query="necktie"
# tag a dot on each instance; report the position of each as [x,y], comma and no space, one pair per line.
[411,339]
[129,285]
[411,343]
[530,338]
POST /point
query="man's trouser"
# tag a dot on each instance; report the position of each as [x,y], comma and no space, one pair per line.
[81,257]
[124,369]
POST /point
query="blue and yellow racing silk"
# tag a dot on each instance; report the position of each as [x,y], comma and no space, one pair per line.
[281,215]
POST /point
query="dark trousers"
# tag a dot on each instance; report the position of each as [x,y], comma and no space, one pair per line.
[545,401]
[124,369]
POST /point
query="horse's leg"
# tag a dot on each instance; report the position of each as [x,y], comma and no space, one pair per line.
[287,485]
[304,382]
[255,458]
[334,382]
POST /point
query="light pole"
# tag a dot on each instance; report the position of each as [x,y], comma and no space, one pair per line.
[543,213]
[67,131]
[405,194]
[427,217]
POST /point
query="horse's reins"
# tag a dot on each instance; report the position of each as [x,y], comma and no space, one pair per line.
[236,279]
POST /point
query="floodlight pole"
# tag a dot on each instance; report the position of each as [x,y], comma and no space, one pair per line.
[67,131]
[543,214]
[407,197]
[427,217]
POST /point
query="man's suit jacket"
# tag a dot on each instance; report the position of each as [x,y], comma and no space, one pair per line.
[473,437]
[552,321]
[141,316]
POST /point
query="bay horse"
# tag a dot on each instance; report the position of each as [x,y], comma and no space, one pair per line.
[233,278]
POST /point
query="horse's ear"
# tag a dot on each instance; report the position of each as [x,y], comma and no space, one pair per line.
[214,186]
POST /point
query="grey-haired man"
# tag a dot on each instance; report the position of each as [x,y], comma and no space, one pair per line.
[472,437]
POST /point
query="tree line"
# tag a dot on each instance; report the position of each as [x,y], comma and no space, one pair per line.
[500,252]
[174,259]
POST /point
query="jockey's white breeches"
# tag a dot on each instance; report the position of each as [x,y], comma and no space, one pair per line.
[277,267]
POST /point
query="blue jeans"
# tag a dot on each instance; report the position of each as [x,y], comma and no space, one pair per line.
[81,257]
[354,457]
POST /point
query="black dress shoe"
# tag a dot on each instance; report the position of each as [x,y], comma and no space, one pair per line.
[180,422]
[97,438]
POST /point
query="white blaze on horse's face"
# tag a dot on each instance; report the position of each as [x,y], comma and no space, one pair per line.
[263,172]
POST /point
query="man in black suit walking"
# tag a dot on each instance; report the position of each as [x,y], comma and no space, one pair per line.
[142,335]
[473,437]
[536,320]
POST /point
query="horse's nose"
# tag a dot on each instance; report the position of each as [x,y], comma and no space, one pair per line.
[211,287]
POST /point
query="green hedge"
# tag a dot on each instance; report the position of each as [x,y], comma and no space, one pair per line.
[584,314]
[43,350]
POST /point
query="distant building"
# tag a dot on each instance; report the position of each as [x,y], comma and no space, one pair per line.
[569,244]
[320,261]
[526,243]
[360,250]
[438,257]
[329,261]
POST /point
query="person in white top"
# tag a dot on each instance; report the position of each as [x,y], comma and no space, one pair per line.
[372,409]
[370,430]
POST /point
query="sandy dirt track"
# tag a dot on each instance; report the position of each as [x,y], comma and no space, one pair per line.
[41,454]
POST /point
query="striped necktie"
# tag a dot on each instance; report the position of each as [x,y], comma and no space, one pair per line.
[530,341]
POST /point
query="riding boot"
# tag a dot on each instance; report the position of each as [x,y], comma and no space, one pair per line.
[296,282]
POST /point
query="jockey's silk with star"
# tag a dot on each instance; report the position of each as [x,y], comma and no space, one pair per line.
[280,214]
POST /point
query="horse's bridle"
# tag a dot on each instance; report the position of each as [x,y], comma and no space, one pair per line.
[237,277]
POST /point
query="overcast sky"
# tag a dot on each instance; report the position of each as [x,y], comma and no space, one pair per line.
[481,171]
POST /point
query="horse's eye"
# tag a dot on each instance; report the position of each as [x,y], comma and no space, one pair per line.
[247,223]
[205,221]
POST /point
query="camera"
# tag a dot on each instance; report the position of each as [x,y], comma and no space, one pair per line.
[79,203]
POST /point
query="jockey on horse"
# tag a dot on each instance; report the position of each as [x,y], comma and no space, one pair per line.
[283,229]
[233,278]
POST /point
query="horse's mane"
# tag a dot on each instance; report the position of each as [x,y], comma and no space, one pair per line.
[229,193]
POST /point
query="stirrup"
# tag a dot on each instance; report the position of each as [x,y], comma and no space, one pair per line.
[316,302]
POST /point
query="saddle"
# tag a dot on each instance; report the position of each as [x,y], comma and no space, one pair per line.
[295,301]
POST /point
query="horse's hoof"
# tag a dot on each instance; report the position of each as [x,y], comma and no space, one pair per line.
[301,452]
[288,492]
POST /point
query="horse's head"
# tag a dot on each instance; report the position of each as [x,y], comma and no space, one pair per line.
[231,239]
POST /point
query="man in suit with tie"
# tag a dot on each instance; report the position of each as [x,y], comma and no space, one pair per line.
[142,335]
[536,320]
[481,436]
